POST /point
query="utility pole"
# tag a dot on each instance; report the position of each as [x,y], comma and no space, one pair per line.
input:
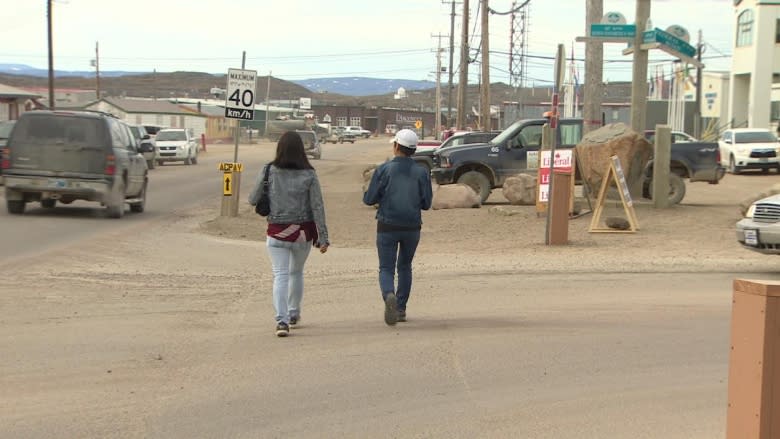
[450,72]
[267,103]
[51,56]
[697,111]
[464,68]
[639,77]
[484,100]
[437,118]
[97,70]
[594,70]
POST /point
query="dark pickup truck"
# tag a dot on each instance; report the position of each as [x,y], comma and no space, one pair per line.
[486,166]
[424,154]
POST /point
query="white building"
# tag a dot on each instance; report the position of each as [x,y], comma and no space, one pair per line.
[153,112]
[755,63]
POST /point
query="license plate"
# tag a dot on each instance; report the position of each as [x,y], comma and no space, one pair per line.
[751,237]
[763,159]
[57,183]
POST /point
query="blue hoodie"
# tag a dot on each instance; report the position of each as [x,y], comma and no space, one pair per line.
[402,188]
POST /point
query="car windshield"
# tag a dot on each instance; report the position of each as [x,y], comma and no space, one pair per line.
[136,132]
[755,137]
[170,135]
[5,129]
[508,132]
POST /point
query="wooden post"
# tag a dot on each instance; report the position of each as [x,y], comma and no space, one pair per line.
[559,208]
[594,68]
[661,164]
[639,77]
[464,68]
[484,105]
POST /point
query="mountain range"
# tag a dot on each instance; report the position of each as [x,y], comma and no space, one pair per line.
[347,86]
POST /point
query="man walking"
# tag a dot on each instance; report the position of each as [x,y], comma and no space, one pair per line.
[401,188]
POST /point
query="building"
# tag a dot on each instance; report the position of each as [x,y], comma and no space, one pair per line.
[65,97]
[15,101]
[755,63]
[152,112]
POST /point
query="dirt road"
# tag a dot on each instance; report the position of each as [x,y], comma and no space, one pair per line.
[620,336]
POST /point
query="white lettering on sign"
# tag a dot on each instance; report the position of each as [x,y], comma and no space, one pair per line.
[404,118]
[563,162]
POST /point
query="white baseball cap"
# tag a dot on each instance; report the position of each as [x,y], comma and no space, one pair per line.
[405,137]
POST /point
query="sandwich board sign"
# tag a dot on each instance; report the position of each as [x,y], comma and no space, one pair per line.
[240,94]
[614,175]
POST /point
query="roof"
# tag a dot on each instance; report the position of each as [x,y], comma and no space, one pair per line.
[6,91]
[148,106]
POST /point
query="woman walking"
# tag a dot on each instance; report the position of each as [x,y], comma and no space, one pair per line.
[295,224]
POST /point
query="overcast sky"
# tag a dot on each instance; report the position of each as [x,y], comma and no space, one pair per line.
[300,39]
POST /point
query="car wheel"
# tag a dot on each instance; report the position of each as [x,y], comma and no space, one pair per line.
[48,203]
[116,206]
[150,164]
[15,207]
[188,161]
[139,206]
[676,189]
[194,160]
[477,181]
[733,168]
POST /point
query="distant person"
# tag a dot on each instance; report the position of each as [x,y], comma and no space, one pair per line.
[402,189]
[296,222]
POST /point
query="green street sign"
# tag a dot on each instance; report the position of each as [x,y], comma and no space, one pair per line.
[601,30]
[668,40]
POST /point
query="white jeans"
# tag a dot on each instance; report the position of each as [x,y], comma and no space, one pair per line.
[287,261]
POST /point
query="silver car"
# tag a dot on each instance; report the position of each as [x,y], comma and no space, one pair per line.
[760,229]
[176,144]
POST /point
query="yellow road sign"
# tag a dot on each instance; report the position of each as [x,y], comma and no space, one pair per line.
[418,124]
[231,167]
[227,184]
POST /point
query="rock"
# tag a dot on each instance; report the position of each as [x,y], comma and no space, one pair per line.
[455,196]
[745,204]
[520,189]
[614,222]
[596,148]
[506,210]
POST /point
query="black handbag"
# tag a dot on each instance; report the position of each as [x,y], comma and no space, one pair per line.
[263,206]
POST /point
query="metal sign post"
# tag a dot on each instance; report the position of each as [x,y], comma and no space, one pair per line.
[240,105]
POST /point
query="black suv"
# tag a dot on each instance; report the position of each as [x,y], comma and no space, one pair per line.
[73,155]
[424,157]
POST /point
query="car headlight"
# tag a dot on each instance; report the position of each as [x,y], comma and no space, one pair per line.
[741,150]
[751,210]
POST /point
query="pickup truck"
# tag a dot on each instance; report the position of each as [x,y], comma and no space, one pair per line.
[486,166]
[424,154]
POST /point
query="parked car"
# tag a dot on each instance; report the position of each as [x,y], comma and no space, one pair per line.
[145,144]
[749,148]
[357,131]
[5,132]
[344,135]
[176,145]
[311,143]
[337,135]
[152,129]
[677,137]
[73,155]
[424,156]
[760,229]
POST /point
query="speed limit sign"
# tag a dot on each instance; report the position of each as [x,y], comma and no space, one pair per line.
[240,96]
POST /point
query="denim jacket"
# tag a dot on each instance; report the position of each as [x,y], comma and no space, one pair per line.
[402,188]
[295,198]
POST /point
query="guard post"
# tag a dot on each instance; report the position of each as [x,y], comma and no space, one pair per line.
[661,166]
[231,181]
[754,361]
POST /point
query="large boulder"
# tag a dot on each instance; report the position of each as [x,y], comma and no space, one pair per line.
[455,196]
[520,189]
[596,148]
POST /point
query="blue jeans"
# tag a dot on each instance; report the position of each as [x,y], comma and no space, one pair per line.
[287,261]
[396,251]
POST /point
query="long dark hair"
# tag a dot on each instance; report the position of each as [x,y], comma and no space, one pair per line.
[290,153]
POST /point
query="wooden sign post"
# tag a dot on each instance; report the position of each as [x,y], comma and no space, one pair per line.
[614,174]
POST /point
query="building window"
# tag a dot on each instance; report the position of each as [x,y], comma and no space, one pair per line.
[341,121]
[354,121]
[777,31]
[775,110]
[745,28]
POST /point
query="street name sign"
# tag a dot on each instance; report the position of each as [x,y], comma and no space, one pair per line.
[668,43]
[602,30]
[240,95]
